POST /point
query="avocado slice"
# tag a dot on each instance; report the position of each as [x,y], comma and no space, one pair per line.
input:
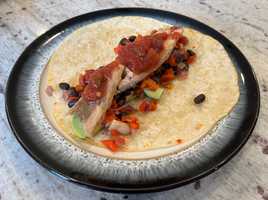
[154,94]
[78,127]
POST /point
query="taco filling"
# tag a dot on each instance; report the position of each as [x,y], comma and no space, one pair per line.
[144,68]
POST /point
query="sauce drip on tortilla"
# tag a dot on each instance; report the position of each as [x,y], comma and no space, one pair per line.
[95,81]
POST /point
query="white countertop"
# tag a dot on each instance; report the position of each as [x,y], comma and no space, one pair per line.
[244,22]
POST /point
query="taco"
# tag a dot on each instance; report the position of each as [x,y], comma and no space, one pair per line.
[135,87]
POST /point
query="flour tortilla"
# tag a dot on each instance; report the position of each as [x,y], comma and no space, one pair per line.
[177,117]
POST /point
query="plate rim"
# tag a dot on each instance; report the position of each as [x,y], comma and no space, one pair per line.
[152,188]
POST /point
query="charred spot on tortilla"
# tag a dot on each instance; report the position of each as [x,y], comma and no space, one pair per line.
[153,106]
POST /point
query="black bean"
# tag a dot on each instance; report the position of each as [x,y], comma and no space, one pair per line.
[117,97]
[128,91]
[132,38]
[161,70]
[190,52]
[123,41]
[122,95]
[121,101]
[64,86]
[71,103]
[199,98]
[119,115]
[73,92]
[166,65]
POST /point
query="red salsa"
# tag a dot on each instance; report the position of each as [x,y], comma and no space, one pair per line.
[143,54]
[95,82]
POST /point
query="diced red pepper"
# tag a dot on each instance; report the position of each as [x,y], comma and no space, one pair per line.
[109,116]
[134,125]
[191,59]
[167,76]
[119,141]
[147,106]
[149,84]
[132,121]
[153,105]
[110,144]
[71,98]
[175,35]
[114,133]
[144,106]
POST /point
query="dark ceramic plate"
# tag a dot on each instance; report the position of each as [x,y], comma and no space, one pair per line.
[60,157]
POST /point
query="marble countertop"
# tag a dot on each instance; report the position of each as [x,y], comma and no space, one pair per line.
[244,22]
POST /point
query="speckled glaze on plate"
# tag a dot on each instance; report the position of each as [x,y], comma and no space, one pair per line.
[59,156]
